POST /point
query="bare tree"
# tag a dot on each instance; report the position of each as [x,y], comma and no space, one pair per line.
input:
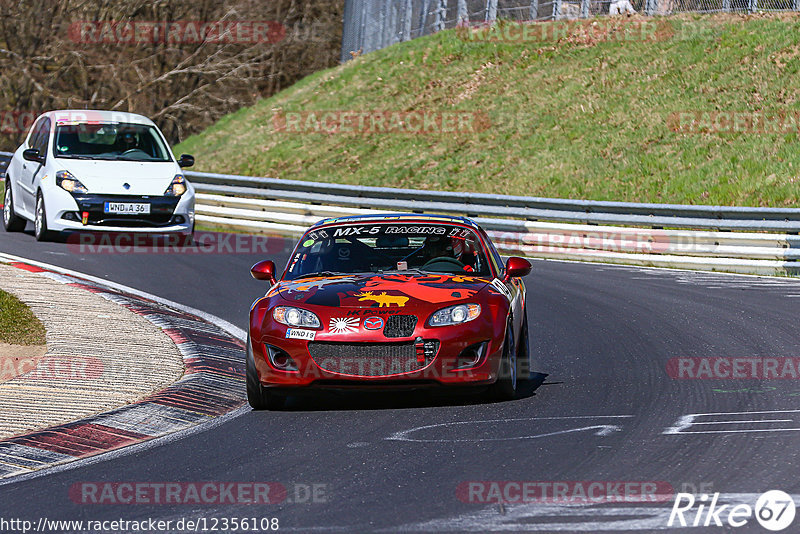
[77,54]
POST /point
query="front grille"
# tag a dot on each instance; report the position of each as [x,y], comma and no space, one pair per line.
[161,210]
[400,325]
[366,359]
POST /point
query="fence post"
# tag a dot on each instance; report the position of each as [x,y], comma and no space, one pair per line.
[408,12]
[752,5]
[386,33]
[796,5]
[533,13]
[584,9]
[423,17]
[652,6]
[556,9]
[726,5]
[463,14]
[491,10]
[441,13]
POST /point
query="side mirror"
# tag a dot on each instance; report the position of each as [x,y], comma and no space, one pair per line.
[264,270]
[32,154]
[517,267]
[186,161]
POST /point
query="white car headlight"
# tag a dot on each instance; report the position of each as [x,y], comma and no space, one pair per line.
[177,187]
[66,181]
[462,313]
[296,317]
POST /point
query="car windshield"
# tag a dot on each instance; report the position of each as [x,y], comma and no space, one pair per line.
[390,246]
[112,141]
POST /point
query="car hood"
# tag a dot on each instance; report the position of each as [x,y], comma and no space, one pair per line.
[109,177]
[388,291]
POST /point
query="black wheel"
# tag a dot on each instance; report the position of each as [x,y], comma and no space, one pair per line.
[40,221]
[258,397]
[524,362]
[11,221]
[505,388]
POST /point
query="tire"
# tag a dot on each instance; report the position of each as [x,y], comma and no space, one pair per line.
[505,388]
[40,221]
[524,363]
[11,221]
[258,397]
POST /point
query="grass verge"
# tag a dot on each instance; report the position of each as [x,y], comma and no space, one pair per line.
[18,325]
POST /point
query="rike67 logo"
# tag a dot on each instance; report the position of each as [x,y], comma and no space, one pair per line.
[774,510]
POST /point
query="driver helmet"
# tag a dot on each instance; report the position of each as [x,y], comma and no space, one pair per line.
[129,140]
[438,246]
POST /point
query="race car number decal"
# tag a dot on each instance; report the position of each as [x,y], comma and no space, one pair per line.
[295,333]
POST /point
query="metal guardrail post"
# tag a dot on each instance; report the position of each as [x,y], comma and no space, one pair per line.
[441,13]
[408,12]
[533,12]
[423,17]
[491,10]
[463,14]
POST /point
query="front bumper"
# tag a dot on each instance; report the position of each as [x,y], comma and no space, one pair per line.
[382,364]
[167,214]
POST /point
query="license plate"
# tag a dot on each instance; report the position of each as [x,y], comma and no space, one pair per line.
[294,333]
[126,208]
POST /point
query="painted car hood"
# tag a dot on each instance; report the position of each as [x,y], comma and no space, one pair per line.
[388,291]
[108,177]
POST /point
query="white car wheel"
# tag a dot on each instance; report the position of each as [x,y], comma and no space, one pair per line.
[11,222]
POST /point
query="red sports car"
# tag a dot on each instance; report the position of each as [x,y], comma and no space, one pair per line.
[401,301]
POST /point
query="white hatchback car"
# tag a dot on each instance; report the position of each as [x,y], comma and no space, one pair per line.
[82,170]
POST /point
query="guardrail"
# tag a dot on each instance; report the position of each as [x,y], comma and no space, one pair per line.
[714,238]
[717,238]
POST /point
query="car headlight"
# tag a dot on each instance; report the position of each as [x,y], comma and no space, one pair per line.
[66,181]
[462,313]
[295,317]
[177,187]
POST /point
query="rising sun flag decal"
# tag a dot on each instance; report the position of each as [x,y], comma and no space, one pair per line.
[342,325]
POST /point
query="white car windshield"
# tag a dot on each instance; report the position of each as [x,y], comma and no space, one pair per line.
[113,141]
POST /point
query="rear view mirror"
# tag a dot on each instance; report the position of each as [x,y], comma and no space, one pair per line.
[264,270]
[517,267]
[32,154]
[186,161]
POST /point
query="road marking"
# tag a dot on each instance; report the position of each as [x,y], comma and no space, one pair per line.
[687,421]
[601,430]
